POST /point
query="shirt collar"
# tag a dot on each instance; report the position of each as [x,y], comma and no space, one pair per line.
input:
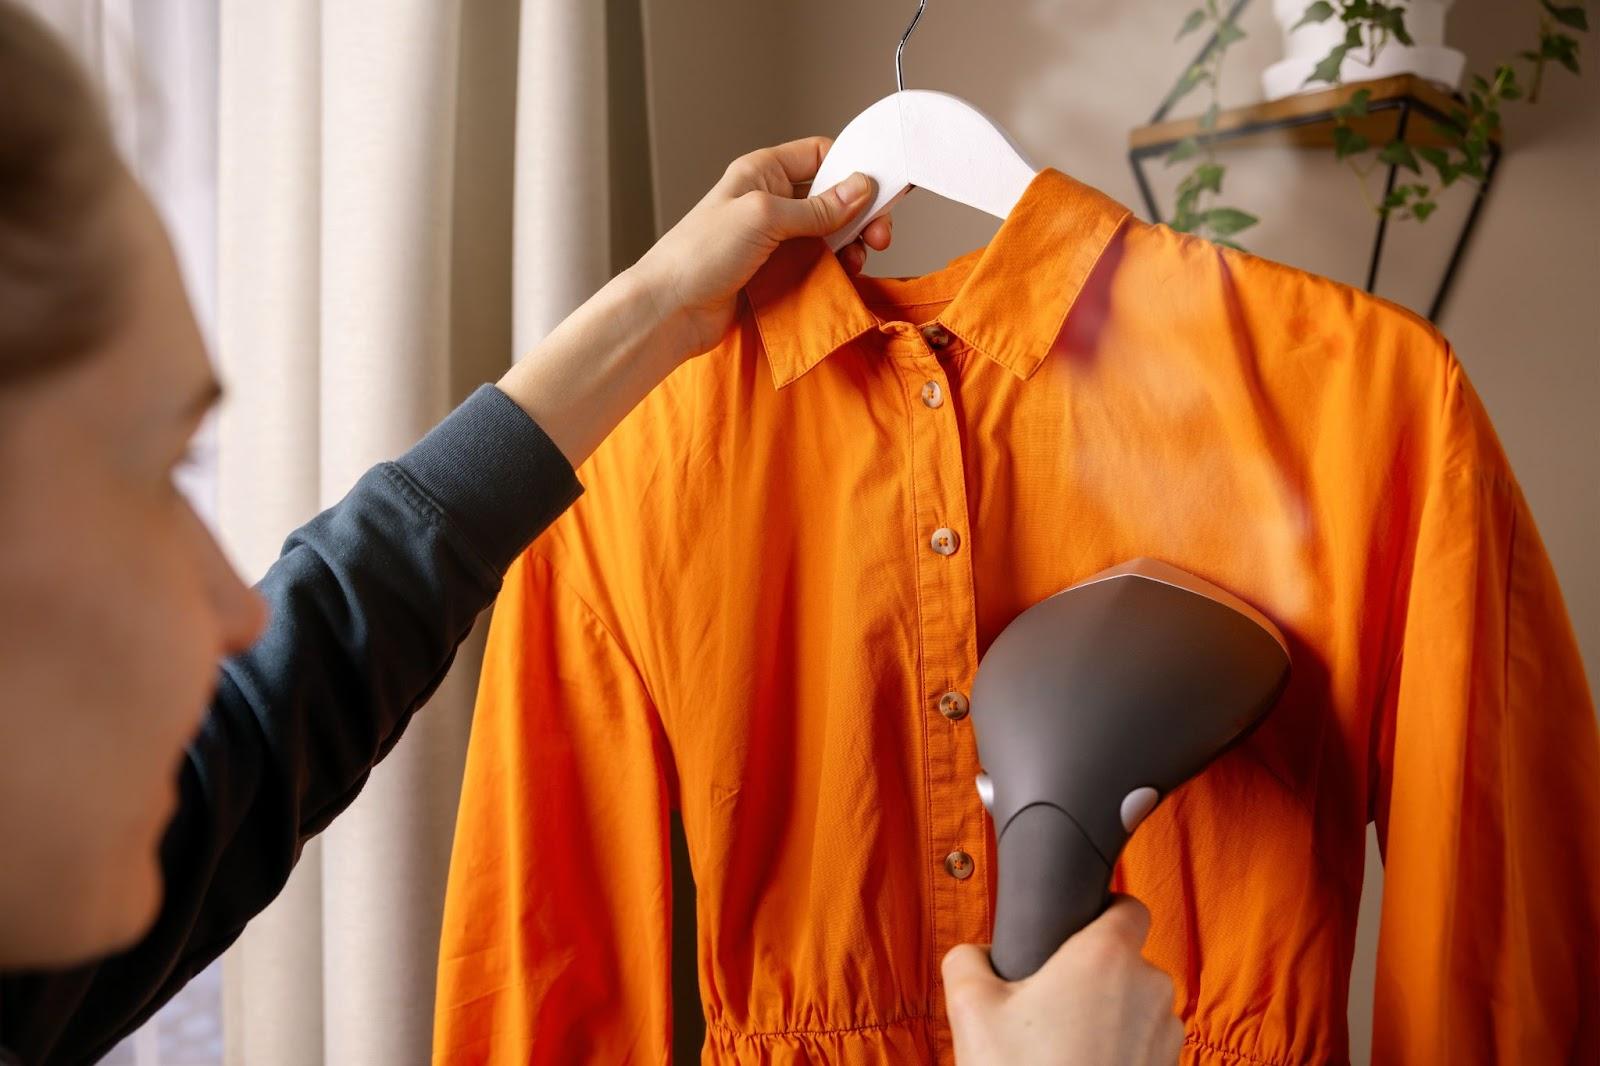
[1011,306]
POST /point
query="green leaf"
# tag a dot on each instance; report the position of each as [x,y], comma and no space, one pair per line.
[1505,83]
[1396,199]
[1184,149]
[1208,177]
[1226,221]
[1563,49]
[1356,106]
[1208,121]
[1229,33]
[1328,69]
[1186,85]
[1423,208]
[1347,142]
[1568,15]
[1194,21]
[1353,37]
[1439,159]
[1399,154]
[1321,11]
[1394,20]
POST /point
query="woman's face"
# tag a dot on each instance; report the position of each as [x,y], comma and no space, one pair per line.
[115,607]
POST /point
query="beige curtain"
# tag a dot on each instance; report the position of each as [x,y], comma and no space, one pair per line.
[405,187]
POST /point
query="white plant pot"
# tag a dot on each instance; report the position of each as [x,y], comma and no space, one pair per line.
[1307,46]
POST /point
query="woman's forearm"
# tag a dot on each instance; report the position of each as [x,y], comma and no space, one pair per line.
[595,367]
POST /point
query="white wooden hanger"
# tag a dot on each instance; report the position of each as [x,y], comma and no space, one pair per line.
[917,138]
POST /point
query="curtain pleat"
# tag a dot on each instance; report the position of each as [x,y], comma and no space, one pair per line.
[410,192]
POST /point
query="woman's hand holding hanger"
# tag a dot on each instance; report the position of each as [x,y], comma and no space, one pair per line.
[680,298]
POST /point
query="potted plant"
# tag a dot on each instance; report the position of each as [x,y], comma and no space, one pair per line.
[1372,40]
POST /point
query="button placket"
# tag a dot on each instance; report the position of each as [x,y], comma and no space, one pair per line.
[948,649]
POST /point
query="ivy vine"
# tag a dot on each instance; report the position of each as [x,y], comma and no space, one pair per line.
[1371,25]
[1197,211]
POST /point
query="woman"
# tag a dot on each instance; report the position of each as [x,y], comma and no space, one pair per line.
[132,863]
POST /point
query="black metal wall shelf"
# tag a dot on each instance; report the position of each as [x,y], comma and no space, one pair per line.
[1308,120]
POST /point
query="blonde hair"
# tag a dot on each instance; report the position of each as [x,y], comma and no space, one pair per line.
[60,278]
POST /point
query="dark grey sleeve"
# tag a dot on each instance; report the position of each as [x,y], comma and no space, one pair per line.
[368,604]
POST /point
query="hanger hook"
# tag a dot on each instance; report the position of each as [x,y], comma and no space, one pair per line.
[899,79]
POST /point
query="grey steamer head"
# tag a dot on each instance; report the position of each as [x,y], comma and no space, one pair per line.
[1089,708]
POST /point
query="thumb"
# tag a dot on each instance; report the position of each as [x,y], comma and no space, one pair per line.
[818,216]
[968,974]
[1126,919]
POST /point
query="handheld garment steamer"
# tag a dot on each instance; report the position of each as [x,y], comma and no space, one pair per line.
[1089,708]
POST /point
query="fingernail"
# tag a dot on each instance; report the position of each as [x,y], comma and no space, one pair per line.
[853,188]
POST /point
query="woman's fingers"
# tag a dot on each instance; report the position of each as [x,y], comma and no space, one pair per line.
[783,217]
[853,257]
[801,159]
[783,170]
[879,232]
[781,179]
[877,235]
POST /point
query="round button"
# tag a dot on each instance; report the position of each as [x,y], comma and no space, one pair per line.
[932,394]
[945,540]
[958,864]
[936,336]
[954,706]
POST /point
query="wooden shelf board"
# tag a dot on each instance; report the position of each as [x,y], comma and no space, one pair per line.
[1306,120]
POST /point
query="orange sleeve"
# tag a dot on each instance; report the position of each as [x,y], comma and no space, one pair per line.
[556,939]
[1486,784]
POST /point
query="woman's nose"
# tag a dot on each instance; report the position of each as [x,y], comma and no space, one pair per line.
[241,613]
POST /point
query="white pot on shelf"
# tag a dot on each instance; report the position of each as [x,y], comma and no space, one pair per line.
[1305,47]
